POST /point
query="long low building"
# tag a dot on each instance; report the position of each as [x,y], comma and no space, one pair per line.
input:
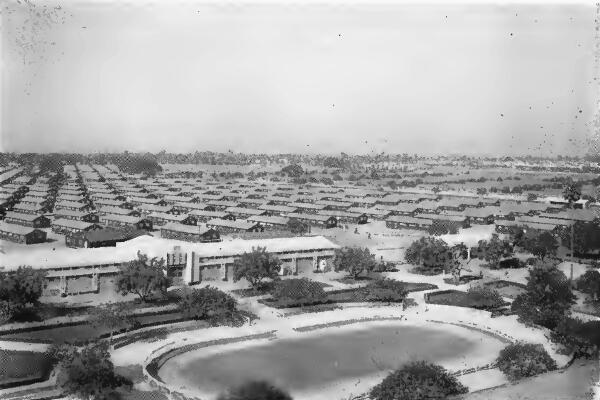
[21,234]
[93,270]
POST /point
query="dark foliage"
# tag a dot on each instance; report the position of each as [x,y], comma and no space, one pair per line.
[354,260]
[256,266]
[589,283]
[521,360]
[418,381]
[299,291]
[87,372]
[255,390]
[430,253]
[297,226]
[212,305]
[548,297]
[144,277]
[293,170]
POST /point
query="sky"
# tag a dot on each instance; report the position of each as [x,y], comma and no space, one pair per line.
[321,77]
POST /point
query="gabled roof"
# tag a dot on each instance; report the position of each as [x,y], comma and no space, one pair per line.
[73,224]
[22,216]
[16,229]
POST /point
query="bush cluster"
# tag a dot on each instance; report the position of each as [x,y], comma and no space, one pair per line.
[300,291]
[520,360]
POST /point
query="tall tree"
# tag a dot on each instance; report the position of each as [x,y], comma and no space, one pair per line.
[572,194]
[87,372]
[256,266]
[354,260]
[22,287]
[143,277]
[547,298]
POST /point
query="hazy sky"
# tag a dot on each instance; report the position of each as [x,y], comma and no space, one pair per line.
[94,76]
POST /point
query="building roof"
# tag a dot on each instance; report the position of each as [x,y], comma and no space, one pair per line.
[73,224]
[311,217]
[409,220]
[18,230]
[197,230]
[22,216]
[242,210]
[266,219]
[237,224]
[121,218]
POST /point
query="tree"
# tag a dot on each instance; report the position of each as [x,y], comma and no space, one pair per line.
[589,283]
[143,277]
[418,381]
[539,243]
[440,227]
[255,390]
[354,260]
[112,317]
[293,170]
[256,266]
[481,191]
[547,298]
[431,253]
[532,197]
[572,194]
[296,226]
[87,373]
[520,360]
[212,305]
[494,250]
[7,311]
[22,287]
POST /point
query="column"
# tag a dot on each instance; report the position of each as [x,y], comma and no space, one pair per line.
[63,285]
[315,263]
[188,272]
[95,282]
[224,269]
[295,265]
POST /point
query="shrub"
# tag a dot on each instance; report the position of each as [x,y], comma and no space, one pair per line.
[418,381]
[299,291]
[484,297]
[579,338]
[548,297]
[257,390]
[87,372]
[354,260]
[589,283]
[7,311]
[520,360]
[212,305]
[385,290]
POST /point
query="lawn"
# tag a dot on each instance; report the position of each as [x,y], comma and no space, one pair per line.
[20,367]
[84,332]
[455,298]
[354,295]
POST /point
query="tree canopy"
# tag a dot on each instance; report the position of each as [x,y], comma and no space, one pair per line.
[539,243]
[418,381]
[255,390]
[212,305]
[547,299]
[428,252]
[256,266]
[354,260]
[87,372]
[143,277]
[521,360]
[21,287]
